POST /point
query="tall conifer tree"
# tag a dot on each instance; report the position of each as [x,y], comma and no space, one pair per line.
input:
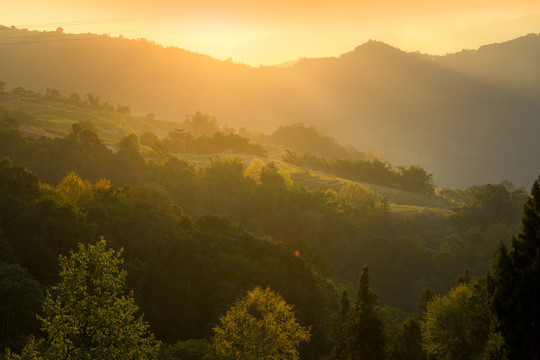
[366,338]
[514,285]
[340,348]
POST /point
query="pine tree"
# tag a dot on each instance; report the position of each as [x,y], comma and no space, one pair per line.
[366,338]
[407,343]
[464,278]
[514,285]
[423,300]
[340,348]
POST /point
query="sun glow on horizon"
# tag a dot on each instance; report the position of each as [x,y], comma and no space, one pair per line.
[274,33]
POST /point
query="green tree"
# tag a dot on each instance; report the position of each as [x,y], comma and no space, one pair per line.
[416,179]
[254,170]
[21,298]
[201,124]
[148,138]
[93,99]
[259,326]
[18,187]
[41,231]
[340,346]
[407,343]
[129,152]
[194,349]
[271,175]
[73,190]
[91,317]
[366,337]
[357,198]
[513,285]
[225,174]
[485,205]
[129,144]
[425,297]
[457,326]
[32,351]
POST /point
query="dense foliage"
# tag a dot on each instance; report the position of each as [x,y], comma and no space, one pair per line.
[457,325]
[89,316]
[364,329]
[375,171]
[260,325]
[188,260]
[513,285]
[211,260]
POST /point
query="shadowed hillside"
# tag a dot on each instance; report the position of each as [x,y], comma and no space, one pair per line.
[512,65]
[411,110]
[457,122]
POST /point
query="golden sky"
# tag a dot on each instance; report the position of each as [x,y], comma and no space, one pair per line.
[272,32]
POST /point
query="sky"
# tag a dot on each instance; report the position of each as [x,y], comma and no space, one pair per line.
[274,32]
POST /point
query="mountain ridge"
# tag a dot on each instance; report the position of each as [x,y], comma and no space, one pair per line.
[458,123]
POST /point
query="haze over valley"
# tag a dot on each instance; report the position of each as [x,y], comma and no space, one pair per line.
[469,117]
[371,191]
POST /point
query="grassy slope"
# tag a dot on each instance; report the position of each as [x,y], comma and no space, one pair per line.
[400,200]
[52,116]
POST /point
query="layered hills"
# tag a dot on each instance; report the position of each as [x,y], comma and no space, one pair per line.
[469,118]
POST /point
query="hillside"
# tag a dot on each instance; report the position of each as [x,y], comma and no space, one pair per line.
[409,109]
[406,107]
[52,115]
[220,228]
[512,65]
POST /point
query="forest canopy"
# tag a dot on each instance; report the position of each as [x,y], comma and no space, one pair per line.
[196,237]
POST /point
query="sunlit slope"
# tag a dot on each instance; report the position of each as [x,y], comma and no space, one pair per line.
[401,201]
[51,115]
[463,126]
[398,198]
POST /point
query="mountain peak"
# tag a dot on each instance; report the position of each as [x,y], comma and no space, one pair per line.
[373,44]
[372,49]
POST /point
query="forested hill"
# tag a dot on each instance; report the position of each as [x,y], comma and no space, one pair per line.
[452,117]
[200,136]
[187,261]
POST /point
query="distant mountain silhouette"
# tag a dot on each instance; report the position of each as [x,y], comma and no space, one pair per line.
[513,65]
[471,117]
[469,37]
